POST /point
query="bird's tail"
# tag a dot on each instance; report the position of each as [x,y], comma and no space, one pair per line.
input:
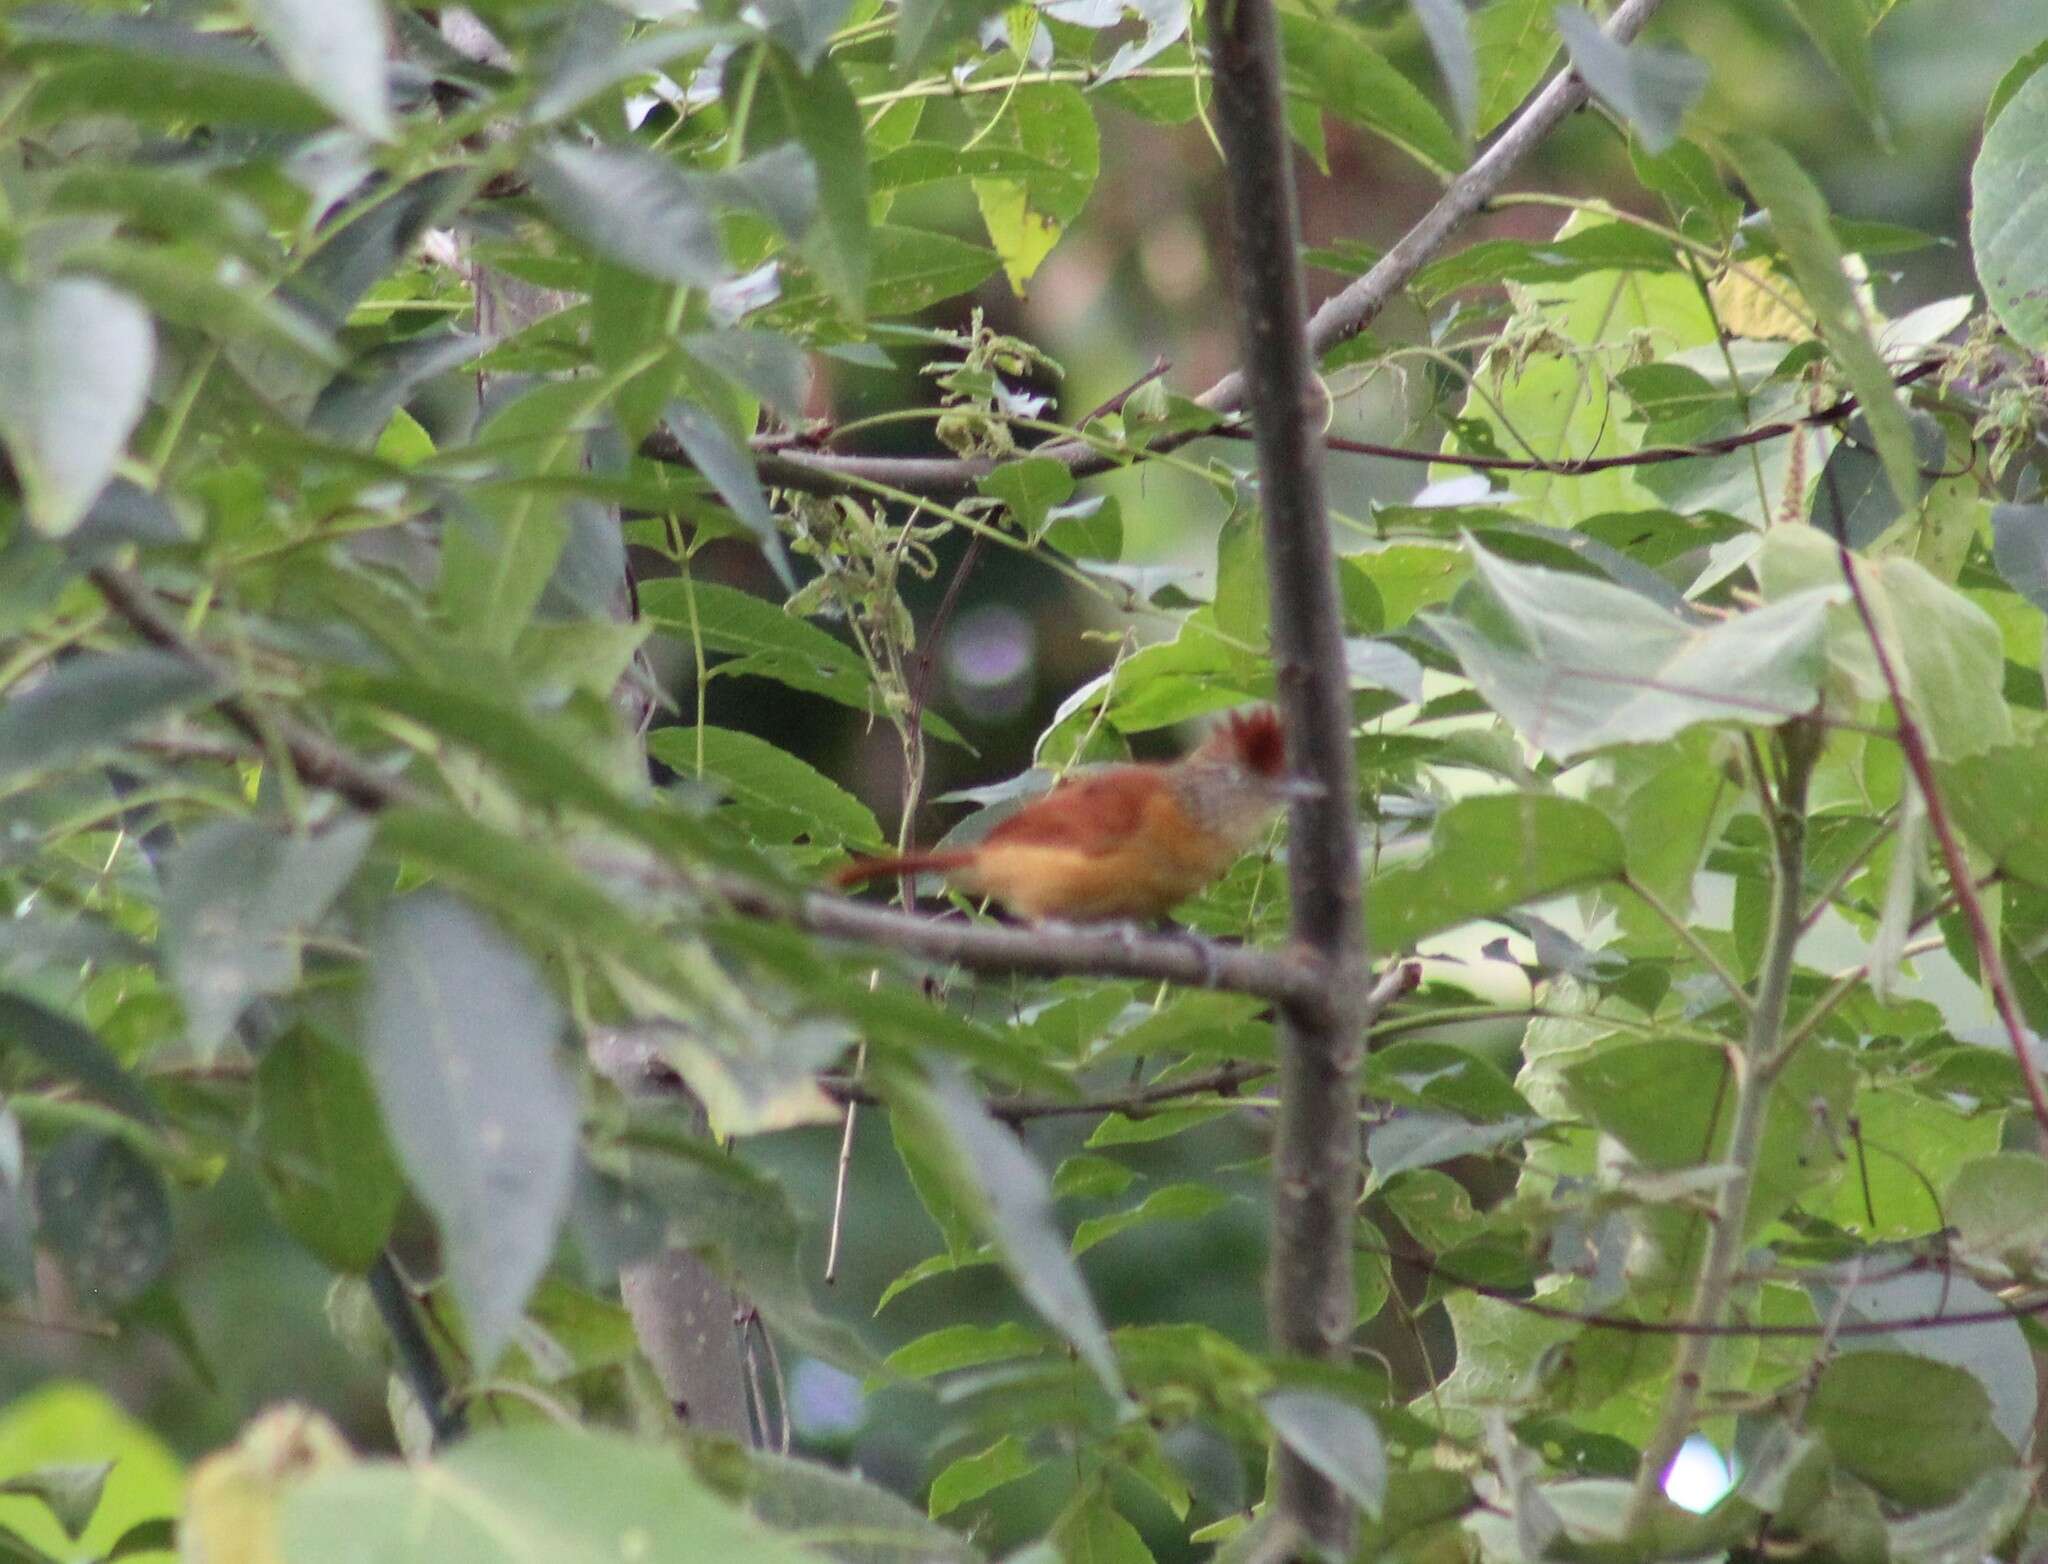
[862,870]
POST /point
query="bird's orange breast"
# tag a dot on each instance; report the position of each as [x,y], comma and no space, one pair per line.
[1152,859]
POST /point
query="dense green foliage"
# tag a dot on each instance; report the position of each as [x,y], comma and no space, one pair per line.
[342,363]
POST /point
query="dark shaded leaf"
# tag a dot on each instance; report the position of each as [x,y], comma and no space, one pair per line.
[330,1173]
[74,1053]
[104,1212]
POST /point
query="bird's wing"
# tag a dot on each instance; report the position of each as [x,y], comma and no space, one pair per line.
[1091,813]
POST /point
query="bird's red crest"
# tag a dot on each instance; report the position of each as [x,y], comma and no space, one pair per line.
[1257,741]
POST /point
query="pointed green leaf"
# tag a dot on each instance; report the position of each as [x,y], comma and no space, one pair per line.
[1487,856]
[336,50]
[75,361]
[1577,663]
[460,1035]
[1801,222]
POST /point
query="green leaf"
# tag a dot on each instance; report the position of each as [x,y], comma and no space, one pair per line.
[104,1212]
[2000,798]
[1840,29]
[2019,548]
[729,467]
[1948,655]
[1336,1439]
[1486,856]
[1918,1431]
[926,27]
[768,642]
[2008,227]
[634,207]
[460,1035]
[2023,71]
[533,886]
[518,1495]
[69,1493]
[1331,61]
[783,797]
[1649,85]
[804,27]
[976,1476]
[1243,608]
[336,50]
[329,1171]
[1091,1532]
[1998,1207]
[1443,1077]
[819,110]
[918,163]
[154,71]
[911,270]
[1968,1529]
[1690,184]
[1659,1100]
[845,1517]
[1031,487]
[75,1053]
[1007,1192]
[530,758]
[1577,664]
[1449,32]
[1513,43]
[75,362]
[87,704]
[1053,125]
[1173,1203]
[1800,221]
[576,80]
[239,899]
[954,1347]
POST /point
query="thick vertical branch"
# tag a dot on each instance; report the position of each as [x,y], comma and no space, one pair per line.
[1315,1159]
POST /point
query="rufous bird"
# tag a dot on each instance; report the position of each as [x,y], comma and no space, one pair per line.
[1122,842]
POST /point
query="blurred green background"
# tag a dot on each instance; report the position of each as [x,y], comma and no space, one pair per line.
[1139,276]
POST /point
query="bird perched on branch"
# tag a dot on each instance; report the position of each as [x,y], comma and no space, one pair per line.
[1123,841]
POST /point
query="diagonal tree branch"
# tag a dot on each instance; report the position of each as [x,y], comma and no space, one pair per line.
[1291,976]
[1343,316]
[1311,1308]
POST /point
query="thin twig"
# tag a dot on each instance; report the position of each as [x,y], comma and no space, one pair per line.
[1629,1325]
[1582,466]
[1913,745]
[1138,1103]
[418,1364]
[1291,976]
